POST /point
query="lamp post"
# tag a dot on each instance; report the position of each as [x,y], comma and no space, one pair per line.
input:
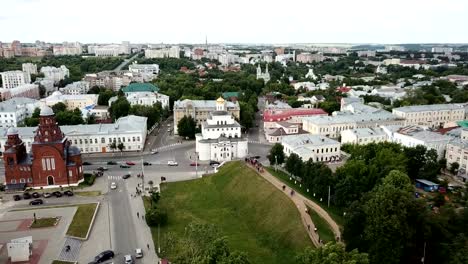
[142,175]
[276,163]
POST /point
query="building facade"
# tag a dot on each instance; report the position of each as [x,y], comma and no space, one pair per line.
[200,110]
[265,76]
[76,88]
[431,115]
[53,161]
[221,138]
[172,52]
[25,90]
[13,79]
[317,148]
[71,101]
[14,111]
[144,68]
[362,136]
[29,68]
[55,74]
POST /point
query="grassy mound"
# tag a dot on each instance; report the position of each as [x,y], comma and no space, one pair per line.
[254,216]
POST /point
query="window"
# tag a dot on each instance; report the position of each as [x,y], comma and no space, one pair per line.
[95,140]
[43,164]
[48,164]
[29,179]
[86,141]
[133,139]
[13,181]
[138,139]
[81,141]
[103,140]
[22,180]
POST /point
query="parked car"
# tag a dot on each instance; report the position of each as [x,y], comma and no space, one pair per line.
[124,166]
[215,166]
[111,163]
[128,259]
[194,164]
[146,163]
[256,157]
[126,176]
[138,253]
[113,186]
[57,194]
[103,256]
[154,152]
[26,195]
[35,195]
[213,162]
[102,168]
[87,163]
[172,163]
[68,193]
[47,195]
[36,202]
[16,197]
[131,163]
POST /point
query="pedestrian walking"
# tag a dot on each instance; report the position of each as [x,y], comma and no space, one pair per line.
[308,227]
[143,217]
[147,246]
[138,214]
[315,230]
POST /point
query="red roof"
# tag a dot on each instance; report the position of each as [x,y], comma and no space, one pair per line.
[285,114]
[344,89]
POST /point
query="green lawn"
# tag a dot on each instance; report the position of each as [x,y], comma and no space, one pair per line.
[62,262]
[88,193]
[81,220]
[44,222]
[255,217]
[334,212]
[323,228]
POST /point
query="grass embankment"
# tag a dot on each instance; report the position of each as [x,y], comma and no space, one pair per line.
[323,228]
[334,212]
[44,222]
[254,216]
[81,220]
[62,262]
[89,193]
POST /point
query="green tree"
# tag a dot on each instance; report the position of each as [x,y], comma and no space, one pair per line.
[155,217]
[294,165]
[34,119]
[113,146]
[187,127]
[59,107]
[247,115]
[276,155]
[119,108]
[121,147]
[454,167]
[331,253]
[104,96]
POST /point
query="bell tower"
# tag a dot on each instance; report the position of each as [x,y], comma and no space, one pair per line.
[48,129]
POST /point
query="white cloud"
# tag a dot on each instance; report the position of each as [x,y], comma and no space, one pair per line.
[246,21]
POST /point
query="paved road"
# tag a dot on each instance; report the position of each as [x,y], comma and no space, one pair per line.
[125,62]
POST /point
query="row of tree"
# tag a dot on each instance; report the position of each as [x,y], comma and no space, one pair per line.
[121,107]
[63,116]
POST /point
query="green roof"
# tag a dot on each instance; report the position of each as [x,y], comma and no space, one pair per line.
[140,87]
[228,95]
[463,123]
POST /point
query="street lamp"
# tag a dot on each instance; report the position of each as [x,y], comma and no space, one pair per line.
[276,163]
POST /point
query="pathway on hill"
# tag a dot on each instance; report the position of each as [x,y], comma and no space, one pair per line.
[301,201]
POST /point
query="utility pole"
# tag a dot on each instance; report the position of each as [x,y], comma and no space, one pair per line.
[276,163]
[159,245]
[142,175]
[328,195]
[196,164]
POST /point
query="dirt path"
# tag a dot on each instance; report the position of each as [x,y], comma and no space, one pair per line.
[301,201]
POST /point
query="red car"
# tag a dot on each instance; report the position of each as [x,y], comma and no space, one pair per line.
[131,163]
[194,164]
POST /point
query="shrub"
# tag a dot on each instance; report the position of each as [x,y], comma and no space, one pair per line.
[155,216]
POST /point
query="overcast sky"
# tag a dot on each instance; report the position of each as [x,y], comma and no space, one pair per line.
[235,21]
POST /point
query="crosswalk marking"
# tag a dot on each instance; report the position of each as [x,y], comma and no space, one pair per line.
[110,177]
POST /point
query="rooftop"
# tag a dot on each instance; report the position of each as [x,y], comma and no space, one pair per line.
[140,87]
[367,132]
[228,95]
[284,114]
[15,103]
[352,118]
[202,104]
[434,107]
[302,140]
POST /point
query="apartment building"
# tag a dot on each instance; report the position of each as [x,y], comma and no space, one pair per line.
[362,136]
[437,115]
[315,147]
[13,79]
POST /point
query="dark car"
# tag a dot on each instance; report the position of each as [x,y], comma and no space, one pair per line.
[103,256]
[36,195]
[126,176]
[146,163]
[124,166]
[26,196]
[256,157]
[68,193]
[57,194]
[16,197]
[87,163]
[214,162]
[131,163]
[102,168]
[36,202]
[111,163]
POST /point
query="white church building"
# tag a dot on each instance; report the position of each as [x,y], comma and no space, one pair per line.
[221,137]
[265,76]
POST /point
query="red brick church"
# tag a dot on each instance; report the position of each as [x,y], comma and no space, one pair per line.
[52,162]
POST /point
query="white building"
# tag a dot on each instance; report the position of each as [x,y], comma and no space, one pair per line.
[437,115]
[362,136]
[442,50]
[227,59]
[29,68]
[144,98]
[67,49]
[315,147]
[55,74]
[172,52]
[412,136]
[221,137]
[265,76]
[13,79]
[144,68]
[76,88]
[25,90]
[112,50]
[71,101]
[14,111]
[129,130]
[457,151]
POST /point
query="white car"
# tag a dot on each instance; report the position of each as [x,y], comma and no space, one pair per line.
[138,253]
[113,186]
[128,259]
[172,163]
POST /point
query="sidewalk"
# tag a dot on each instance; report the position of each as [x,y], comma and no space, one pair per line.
[300,201]
[141,228]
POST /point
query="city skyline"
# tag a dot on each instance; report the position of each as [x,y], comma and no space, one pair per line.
[245,22]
